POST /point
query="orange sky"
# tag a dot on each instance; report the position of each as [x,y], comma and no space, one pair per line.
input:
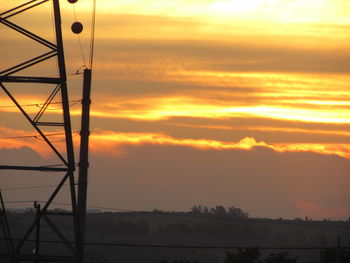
[218,75]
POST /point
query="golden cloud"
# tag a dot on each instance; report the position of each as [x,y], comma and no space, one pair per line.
[107,141]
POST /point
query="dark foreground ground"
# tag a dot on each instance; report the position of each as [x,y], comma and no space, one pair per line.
[142,237]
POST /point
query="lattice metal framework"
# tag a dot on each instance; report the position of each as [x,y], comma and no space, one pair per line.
[59,86]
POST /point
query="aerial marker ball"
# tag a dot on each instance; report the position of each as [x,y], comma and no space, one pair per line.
[77,27]
[72,1]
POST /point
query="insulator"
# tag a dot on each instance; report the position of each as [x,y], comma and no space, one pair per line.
[77,27]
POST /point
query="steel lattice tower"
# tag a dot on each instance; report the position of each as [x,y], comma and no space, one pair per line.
[57,85]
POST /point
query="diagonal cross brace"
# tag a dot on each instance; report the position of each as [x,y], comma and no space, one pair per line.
[23,9]
[34,125]
[28,33]
[28,63]
[43,211]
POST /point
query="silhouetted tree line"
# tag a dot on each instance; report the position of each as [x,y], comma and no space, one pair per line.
[220,211]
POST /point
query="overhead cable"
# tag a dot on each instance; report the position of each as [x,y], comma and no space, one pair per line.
[152,245]
[92,37]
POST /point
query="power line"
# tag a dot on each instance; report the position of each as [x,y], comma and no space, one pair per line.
[150,245]
[40,104]
[59,203]
[30,136]
[36,136]
[112,209]
[32,201]
[92,37]
[40,139]
[71,104]
[27,188]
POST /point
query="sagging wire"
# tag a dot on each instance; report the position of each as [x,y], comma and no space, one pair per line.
[40,139]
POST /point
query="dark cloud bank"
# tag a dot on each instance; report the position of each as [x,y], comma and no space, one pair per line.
[261,181]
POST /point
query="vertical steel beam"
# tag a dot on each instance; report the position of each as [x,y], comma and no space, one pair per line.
[84,155]
[64,92]
[66,117]
[6,229]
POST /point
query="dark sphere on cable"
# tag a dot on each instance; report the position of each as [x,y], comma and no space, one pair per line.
[72,1]
[77,27]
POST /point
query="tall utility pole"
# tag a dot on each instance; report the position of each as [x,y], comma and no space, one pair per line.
[23,248]
[84,155]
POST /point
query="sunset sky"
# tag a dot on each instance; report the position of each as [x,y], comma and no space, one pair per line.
[238,103]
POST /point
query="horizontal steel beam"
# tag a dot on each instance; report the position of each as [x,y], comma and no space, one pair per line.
[34,168]
[22,79]
[58,124]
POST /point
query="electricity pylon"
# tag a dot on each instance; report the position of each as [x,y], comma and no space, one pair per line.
[57,85]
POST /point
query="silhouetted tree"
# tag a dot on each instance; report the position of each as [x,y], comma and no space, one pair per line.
[237,212]
[197,209]
[205,210]
[218,210]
